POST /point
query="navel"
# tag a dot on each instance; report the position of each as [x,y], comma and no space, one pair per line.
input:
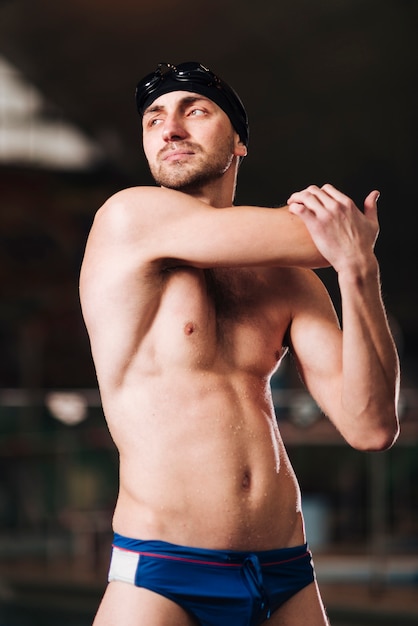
[246,480]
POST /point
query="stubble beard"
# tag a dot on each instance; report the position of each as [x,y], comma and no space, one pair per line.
[190,175]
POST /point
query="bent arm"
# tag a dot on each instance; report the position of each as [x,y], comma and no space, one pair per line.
[353,373]
[370,360]
[166,224]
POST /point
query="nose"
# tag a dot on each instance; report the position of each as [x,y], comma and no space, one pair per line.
[173,129]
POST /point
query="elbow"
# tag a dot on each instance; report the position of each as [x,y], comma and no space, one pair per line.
[378,439]
[380,443]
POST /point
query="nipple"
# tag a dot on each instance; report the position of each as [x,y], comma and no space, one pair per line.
[189,328]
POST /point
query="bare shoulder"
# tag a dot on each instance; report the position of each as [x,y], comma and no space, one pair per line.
[126,227]
[138,224]
[136,207]
[147,203]
[117,255]
[120,279]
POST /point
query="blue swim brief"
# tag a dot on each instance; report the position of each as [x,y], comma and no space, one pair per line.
[216,587]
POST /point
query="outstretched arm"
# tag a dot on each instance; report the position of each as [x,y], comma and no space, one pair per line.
[360,364]
[156,223]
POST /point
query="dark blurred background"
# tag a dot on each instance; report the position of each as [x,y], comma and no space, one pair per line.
[330,87]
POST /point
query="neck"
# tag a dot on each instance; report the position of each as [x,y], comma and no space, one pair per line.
[212,194]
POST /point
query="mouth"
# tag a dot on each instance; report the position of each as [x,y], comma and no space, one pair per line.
[177,155]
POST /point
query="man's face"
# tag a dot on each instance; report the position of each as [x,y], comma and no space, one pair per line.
[188,140]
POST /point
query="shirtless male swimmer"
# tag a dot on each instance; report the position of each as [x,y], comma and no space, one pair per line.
[187,300]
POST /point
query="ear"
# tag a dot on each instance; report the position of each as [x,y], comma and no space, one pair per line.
[240,148]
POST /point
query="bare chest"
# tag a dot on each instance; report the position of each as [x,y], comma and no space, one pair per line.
[213,317]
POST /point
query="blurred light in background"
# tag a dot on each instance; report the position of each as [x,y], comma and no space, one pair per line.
[34,133]
[68,407]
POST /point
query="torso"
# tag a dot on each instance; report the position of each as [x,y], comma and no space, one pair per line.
[202,462]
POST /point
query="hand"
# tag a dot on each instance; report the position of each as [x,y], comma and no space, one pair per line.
[342,233]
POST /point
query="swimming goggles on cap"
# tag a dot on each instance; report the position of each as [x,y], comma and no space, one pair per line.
[195,77]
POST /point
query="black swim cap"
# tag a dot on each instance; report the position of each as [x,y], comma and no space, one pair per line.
[196,78]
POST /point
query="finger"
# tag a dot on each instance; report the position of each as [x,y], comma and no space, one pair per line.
[326,197]
[370,205]
[335,194]
[303,192]
[309,197]
[308,216]
[296,208]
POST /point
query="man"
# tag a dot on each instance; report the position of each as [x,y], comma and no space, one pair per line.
[187,300]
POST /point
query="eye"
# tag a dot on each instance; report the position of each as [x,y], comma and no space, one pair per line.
[197,112]
[155,121]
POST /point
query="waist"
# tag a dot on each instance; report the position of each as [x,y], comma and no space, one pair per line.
[216,515]
[164,549]
[215,472]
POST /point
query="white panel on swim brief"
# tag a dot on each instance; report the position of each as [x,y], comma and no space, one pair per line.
[123,566]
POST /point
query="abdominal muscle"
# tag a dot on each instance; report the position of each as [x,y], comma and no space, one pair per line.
[202,464]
